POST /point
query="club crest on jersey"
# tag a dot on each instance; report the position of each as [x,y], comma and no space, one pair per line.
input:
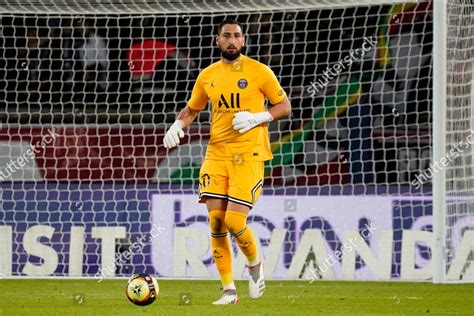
[242,83]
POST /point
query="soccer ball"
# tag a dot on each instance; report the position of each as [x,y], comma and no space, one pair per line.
[142,289]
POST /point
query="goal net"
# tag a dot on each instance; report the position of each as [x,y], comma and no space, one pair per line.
[88,89]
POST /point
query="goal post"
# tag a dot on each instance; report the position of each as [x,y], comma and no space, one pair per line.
[177,7]
[439,138]
[453,129]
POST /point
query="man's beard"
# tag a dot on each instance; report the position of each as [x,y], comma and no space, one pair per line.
[230,56]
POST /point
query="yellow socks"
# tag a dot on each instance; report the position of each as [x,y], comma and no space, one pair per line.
[236,223]
[221,248]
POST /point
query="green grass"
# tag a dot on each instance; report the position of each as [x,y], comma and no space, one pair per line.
[56,297]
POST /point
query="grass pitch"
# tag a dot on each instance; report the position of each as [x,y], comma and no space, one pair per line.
[88,297]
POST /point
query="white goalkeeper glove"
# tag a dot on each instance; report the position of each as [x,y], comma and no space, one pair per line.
[174,133]
[245,121]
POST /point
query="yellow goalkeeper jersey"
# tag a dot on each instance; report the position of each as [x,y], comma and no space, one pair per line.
[231,88]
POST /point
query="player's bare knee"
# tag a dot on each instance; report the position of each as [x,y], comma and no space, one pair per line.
[236,207]
[216,204]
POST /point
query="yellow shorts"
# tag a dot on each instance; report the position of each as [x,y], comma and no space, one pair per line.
[237,181]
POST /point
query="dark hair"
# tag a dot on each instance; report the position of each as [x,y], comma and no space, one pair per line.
[228,21]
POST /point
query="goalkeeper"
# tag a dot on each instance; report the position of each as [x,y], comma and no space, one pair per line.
[231,177]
